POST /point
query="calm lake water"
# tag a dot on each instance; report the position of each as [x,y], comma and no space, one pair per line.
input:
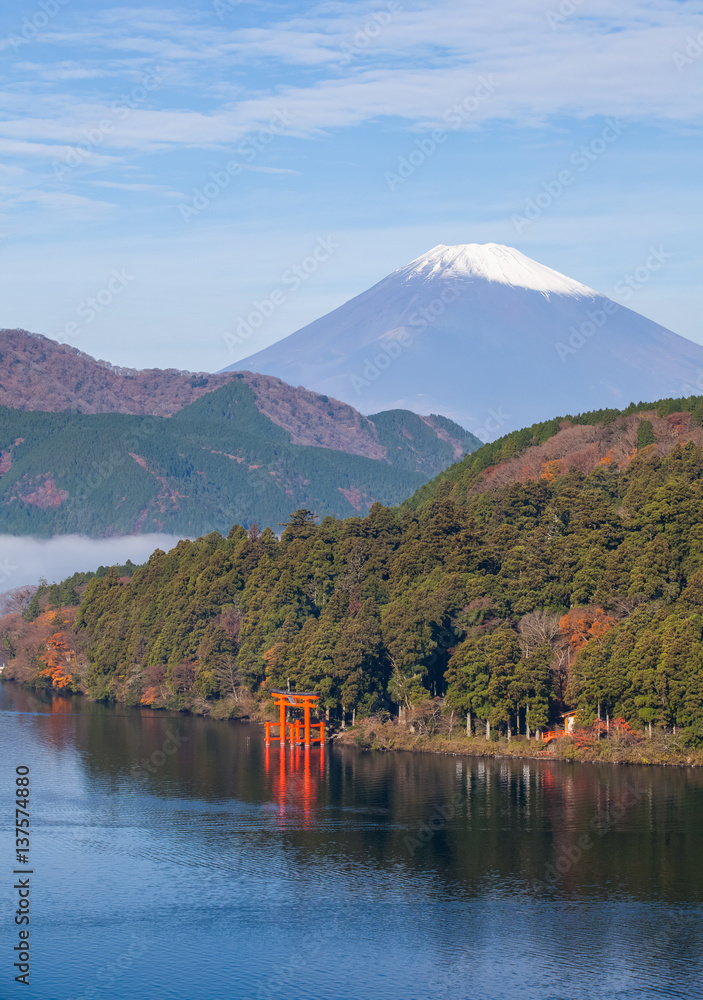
[225,871]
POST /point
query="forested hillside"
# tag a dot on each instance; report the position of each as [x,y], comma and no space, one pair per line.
[218,461]
[38,373]
[514,602]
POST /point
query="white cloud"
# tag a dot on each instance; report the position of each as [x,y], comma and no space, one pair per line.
[62,71]
[597,62]
[45,151]
[26,560]
[9,171]
[73,205]
[225,82]
[139,188]
[269,170]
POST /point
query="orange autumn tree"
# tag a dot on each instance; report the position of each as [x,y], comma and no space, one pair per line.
[550,470]
[59,658]
[154,681]
[617,729]
[580,625]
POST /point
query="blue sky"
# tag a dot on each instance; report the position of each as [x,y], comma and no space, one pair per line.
[162,167]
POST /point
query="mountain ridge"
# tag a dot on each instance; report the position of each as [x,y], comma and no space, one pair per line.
[39,374]
[218,460]
[580,590]
[63,378]
[606,439]
[487,337]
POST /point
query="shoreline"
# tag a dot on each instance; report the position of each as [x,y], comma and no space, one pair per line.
[661,750]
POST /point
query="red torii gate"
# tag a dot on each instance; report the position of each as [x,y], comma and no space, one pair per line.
[296,699]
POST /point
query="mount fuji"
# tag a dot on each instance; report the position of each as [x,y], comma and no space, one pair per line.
[488,337]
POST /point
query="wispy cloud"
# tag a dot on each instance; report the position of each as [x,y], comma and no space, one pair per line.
[38,150]
[138,188]
[75,206]
[357,99]
[605,62]
[270,170]
[62,71]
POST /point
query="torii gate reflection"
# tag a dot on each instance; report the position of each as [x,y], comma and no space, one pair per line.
[296,779]
[295,788]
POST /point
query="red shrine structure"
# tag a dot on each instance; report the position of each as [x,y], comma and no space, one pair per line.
[300,732]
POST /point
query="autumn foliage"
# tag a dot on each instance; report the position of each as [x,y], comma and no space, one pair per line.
[150,695]
[59,658]
[583,591]
[617,729]
[580,625]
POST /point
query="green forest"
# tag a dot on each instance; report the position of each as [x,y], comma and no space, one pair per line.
[583,591]
[216,462]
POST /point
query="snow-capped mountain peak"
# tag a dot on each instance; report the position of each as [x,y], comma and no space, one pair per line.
[492,262]
[488,337]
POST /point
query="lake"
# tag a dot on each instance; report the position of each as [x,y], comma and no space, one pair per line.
[177,857]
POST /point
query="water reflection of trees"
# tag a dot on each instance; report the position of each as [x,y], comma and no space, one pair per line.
[508,822]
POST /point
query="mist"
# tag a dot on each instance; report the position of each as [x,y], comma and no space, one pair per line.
[26,560]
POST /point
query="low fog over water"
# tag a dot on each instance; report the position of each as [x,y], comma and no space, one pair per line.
[25,560]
